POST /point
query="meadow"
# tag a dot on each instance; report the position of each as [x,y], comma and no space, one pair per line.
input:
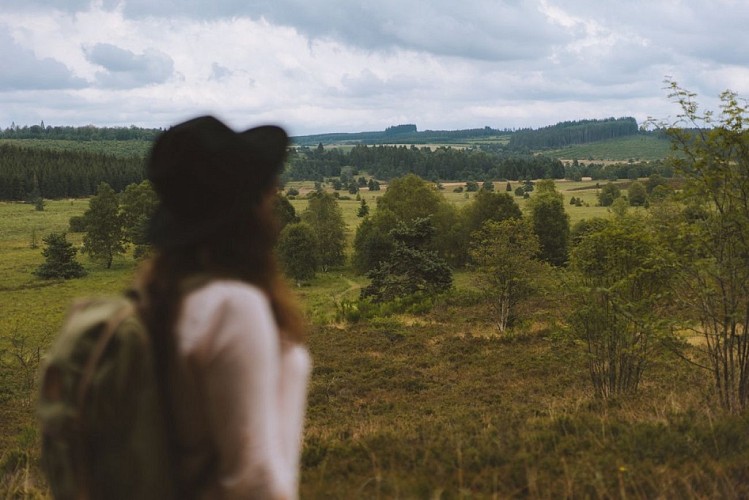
[429,404]
[636,147]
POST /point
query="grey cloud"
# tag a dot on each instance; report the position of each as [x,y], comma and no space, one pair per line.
[219,72]
[20,69]
[63,5]
[480,29]
[125,69]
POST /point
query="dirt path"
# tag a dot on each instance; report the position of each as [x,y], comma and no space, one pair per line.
[352,286]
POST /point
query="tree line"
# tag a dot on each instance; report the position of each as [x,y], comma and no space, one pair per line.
[62,174]
[444,163]
[85,133]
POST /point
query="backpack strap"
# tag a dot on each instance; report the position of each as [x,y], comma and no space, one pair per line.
[101,345]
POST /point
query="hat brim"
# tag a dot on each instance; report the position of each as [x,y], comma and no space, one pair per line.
[265,150]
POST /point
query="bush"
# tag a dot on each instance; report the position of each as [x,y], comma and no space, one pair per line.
[77,224]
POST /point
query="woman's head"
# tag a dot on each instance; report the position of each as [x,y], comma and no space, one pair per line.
[211,181]
[216,189]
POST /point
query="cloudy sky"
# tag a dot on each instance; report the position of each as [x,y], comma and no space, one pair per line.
[350,66]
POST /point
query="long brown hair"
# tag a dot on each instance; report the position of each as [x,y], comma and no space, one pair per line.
[244,252]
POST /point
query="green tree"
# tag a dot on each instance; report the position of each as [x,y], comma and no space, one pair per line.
[625,277]
[324,216]
[297,251]
[285,212]
[713,241]
[137,204]
[59,255]
[410,197]
[406,199]
[486,206]
[372,242]
[507,271]
[550,223]
[363,209]
[411,268]
[104,236]
[637,194]
[654,181]
[608,194]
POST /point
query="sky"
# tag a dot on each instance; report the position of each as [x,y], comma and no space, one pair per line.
[351,66]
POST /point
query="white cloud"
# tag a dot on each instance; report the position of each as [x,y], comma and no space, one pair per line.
[349,66]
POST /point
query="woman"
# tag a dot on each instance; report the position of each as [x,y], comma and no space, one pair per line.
[229,342]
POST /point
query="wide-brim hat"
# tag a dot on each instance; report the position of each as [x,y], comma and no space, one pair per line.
[208,177]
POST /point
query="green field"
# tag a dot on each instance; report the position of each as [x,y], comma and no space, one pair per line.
[636,147]
[429,405]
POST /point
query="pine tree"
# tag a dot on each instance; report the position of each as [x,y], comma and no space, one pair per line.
[60,259]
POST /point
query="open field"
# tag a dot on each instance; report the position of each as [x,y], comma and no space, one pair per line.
[431,405]
[636,147]
[585,190]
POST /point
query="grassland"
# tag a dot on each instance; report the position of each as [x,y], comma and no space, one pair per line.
[636,147]
[434,405]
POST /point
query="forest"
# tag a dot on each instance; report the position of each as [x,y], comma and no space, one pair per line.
[573,132]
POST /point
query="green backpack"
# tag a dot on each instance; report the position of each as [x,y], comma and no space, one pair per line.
[103,426]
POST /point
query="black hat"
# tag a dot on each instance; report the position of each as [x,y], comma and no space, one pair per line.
[207,176]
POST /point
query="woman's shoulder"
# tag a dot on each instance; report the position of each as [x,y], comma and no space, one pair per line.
[226,292]
[221,312]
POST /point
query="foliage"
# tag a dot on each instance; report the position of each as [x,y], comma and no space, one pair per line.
[62,174]
[297,251]
[608,194]
[445,163]
[421,405]
[409,198]
[507,272]
[488,205]
[323,215]
[574,132]
[550,223]
[637,194]
[85,133]
[77,224]
[406,199]
[285,212]
[410,268]
[105,236]
[715,262]
[372,242]
[59,255]
[137,205]
[586,226]
[363,208]
[625,277]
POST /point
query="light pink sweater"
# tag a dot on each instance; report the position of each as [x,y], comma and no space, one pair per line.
[239,410]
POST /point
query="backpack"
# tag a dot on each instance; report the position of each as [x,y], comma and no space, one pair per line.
[103,426]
